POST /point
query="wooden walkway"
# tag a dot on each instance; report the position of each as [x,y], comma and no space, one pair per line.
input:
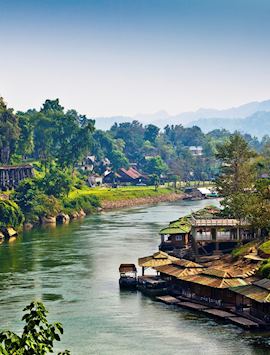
[244,322]
[170,300]
[213,312]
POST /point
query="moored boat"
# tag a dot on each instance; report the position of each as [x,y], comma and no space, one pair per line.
[128,276]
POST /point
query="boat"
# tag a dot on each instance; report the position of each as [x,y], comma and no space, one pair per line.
[128,276]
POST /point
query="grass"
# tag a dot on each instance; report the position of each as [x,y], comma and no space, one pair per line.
[121,193]
[265,247]
[243,249]
[265,269]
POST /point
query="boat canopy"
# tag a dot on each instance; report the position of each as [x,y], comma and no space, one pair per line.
[127,268]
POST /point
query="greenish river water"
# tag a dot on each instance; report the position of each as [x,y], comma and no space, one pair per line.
[74,270]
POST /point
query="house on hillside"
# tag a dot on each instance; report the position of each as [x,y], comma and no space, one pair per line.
[125,176]
[196,151]
[95,180]
[131,176]
[87,164]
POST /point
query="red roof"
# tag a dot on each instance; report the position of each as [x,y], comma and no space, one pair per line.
[132,173]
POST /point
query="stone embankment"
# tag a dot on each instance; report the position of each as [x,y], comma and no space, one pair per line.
[108,205]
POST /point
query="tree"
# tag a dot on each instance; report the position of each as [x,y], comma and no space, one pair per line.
[237,177]
[25,144]
[133,135]
[151,133]
[38,334]
[56,183]
[155,165]
[118,160]
[62,137]
[9,132]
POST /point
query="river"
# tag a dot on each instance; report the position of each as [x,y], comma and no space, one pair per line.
[74,270]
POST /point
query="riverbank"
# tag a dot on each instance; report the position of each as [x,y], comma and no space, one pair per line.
[86,201]
[109,205]
[121,197]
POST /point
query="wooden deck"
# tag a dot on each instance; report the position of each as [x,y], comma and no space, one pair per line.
[244,322]
[167,299]
[191,305]
[219,313]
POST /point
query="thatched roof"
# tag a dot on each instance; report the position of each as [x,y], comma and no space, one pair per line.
[157,259]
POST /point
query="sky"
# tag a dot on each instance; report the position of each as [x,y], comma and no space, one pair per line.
[123,57]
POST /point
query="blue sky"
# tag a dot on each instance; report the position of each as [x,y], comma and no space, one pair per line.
[110,57]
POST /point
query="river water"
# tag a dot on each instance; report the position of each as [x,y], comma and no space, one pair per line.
[74,270]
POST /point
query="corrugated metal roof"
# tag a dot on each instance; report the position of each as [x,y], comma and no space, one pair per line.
[177,272]
[132,173]
[219,273]
[187,263]
[214,282]
[263,283]
[212,222]
[253,292]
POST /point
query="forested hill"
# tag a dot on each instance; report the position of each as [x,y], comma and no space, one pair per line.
[55,135]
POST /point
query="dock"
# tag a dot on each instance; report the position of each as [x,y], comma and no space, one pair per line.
[169,300]
[193,306]
[219,313]
[213,312]
[244,322]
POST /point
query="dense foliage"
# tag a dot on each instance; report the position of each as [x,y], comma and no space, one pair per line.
[37,337]
[10,214]
[61,139]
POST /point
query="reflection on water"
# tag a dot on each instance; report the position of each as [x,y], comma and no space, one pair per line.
[74,270]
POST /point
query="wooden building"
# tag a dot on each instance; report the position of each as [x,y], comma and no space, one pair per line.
[211,286]
[11,176]
[125,176]
[256,297]
[175,236]
[222,234]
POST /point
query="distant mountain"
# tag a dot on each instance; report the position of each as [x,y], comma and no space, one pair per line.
[233,112]
[206,118]
[257,124]
[105,123]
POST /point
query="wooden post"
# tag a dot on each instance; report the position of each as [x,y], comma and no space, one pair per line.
[143,271]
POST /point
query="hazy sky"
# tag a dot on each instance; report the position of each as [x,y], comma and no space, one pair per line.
[110,57]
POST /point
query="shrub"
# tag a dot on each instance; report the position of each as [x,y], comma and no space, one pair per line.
[34,202]
[46,206]
[265,247]
[56,183]
[86,202]
[243,249]
[10,214]
[37,337]
[265,269]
